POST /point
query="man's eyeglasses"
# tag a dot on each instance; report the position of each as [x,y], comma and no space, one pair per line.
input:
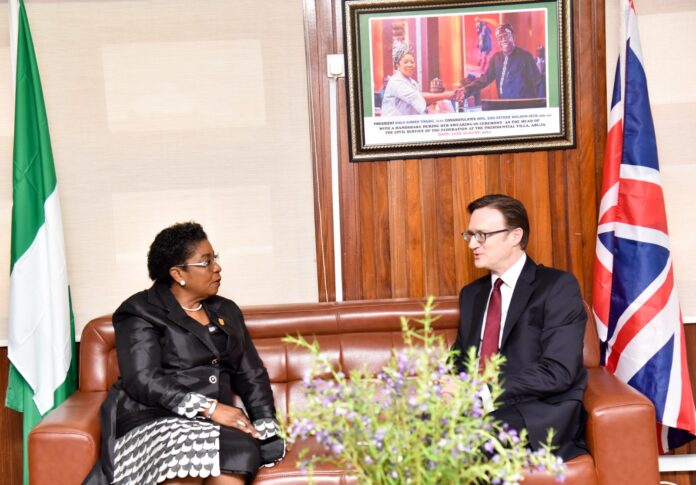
[480,236]
[202,264]
[502,37]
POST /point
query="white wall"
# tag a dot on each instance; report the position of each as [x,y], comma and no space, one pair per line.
[169,110]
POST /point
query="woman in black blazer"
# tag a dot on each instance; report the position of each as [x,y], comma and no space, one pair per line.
[183,351]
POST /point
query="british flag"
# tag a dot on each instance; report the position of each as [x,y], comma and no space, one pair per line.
[635,299]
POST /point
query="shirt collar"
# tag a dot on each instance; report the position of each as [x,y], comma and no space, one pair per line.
[511,276]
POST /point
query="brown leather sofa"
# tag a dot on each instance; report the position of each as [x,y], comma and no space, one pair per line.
[620,430]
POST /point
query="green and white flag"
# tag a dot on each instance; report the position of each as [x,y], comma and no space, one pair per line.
[41,330]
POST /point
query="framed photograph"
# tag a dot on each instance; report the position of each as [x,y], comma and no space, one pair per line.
[434,78]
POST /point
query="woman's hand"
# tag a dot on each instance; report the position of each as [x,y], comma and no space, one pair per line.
[233,417]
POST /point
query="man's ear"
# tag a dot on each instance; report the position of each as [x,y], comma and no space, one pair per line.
[517,233]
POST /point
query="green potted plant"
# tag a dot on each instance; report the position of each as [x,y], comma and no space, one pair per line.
[398,427]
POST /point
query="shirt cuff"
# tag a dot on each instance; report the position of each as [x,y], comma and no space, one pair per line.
[266,427]
[191,405]
[486,399]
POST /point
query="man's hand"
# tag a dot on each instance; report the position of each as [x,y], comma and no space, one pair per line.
[459,95]
[449,385]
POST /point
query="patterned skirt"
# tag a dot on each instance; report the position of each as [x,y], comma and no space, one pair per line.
[179,447]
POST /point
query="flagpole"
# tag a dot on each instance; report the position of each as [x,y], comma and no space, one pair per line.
[335,70]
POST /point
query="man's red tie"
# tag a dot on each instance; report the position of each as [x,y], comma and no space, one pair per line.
[491,333]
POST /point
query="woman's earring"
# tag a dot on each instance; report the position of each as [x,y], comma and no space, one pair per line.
[182,283]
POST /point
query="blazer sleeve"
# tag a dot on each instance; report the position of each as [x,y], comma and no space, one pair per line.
[251,381]
[560,364]
[140,361]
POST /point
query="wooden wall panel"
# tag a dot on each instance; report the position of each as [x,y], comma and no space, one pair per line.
[401,219]
[10,432]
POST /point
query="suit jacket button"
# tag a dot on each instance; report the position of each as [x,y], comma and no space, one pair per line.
[212,379]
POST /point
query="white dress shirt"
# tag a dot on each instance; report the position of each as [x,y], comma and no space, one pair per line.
[510,278]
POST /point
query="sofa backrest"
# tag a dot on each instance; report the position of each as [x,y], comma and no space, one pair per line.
[352,333]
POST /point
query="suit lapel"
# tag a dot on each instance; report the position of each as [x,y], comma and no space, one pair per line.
[523,291]
[162,296]
[479,308]
[223,322]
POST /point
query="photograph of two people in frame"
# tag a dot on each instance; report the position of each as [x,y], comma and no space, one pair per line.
[458,78]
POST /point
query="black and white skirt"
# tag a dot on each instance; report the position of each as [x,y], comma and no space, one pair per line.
[167,448]
[177,447]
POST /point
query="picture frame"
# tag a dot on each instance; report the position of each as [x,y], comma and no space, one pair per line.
[436,78]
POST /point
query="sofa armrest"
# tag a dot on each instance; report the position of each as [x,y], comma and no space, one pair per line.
[620,432]
[70,434]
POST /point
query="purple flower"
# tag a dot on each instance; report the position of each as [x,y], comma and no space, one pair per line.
[402,362]
[307,378]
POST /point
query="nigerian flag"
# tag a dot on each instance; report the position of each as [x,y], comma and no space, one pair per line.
[41,333]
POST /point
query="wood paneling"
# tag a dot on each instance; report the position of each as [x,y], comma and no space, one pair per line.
[10,432]
[401,219]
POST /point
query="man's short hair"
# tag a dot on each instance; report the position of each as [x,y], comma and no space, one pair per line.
[504,28]
[513,211]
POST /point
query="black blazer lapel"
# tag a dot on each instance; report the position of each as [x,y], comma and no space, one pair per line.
[478,310]
[162,296]
[228,322]
[523,291]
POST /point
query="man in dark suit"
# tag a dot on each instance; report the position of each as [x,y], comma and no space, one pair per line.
[534,316]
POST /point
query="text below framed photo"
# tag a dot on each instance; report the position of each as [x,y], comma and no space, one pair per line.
[446,78]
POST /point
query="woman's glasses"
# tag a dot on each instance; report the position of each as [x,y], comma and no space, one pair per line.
[202,264]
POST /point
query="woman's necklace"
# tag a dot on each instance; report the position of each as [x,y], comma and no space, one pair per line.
[194,309]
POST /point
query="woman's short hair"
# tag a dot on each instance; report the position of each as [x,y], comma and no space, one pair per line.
[513,211]
[172,246]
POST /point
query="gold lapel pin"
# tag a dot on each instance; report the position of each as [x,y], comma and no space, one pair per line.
[221,321]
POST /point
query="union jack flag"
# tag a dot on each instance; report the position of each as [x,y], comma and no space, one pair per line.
[635,299]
